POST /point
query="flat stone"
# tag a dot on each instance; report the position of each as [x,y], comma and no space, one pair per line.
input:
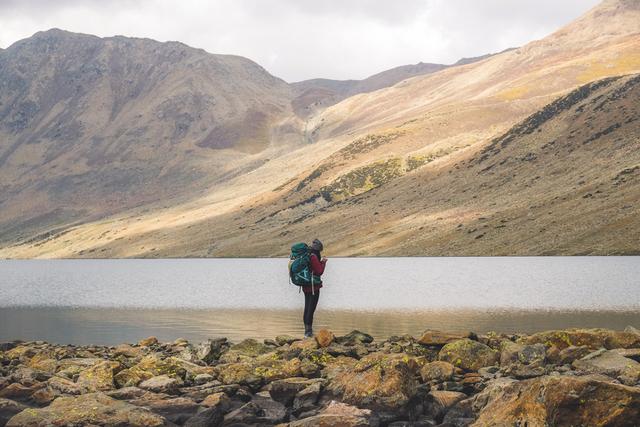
[612,364]
[161,384]
[437,371]
[88,409]
[438,338]
[339,414]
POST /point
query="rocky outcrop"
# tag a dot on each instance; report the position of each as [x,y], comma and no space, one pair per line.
[439,378]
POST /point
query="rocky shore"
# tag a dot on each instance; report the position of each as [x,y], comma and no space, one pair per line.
[573,377]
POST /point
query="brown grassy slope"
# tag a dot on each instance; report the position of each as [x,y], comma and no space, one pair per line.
[564,181]
[91,126]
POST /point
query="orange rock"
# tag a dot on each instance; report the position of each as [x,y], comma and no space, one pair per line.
[148,342]
[325,337]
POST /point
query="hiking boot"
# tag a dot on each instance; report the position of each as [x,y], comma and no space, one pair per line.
[308,332]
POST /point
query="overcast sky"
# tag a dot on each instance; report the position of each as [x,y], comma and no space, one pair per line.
[302,39]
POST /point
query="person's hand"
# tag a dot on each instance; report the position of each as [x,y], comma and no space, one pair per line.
[324,259]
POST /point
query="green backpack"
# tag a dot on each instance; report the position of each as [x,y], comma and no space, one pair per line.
[300,266]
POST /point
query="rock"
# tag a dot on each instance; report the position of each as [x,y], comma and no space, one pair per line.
[513,353]
[306,345]
[285,339]
[175,409]
[209,417]
[181,341]
[239,373]
[630,353]
[8,345]
[468,354]
[203,378]
[354,337]
[493,389]
[161,384]
[438,338]
[612,364]
[437,403]
[17,391]
[272,412]
[99,377]
[199,393]
[44,396]
[88,409]
[339,414]
[20,352]
[148,342]
[437,371]
[64,385]
[562,401]
[219,399]
[44,361]
[460,415]
[285,390]
[9,408]
[336,350]
[568,355]
[28,377]
[377,381]
[244,351]
[632,330]
[126,393]
[324,337]
[127,350]
[148,367]
[592,338]
[307,398]
[210,351]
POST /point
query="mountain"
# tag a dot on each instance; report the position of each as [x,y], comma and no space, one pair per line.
[315,94]
[513,154]
[91,126]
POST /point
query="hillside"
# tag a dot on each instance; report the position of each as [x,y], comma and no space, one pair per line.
[419,168]
[91,126]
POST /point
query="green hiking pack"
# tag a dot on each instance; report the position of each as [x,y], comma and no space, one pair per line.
[300,266]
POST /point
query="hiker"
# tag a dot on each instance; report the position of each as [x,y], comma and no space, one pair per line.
[312,292]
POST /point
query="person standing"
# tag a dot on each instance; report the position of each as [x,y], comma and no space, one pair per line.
[312,292]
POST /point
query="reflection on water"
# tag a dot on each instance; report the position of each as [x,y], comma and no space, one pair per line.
[113,326]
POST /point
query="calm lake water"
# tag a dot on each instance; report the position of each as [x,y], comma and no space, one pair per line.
[113,301]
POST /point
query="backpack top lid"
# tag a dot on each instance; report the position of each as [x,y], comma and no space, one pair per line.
[299,249]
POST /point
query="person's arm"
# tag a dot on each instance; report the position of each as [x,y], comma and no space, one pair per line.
[317,267]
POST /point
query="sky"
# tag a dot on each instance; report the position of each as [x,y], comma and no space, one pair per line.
[302,39]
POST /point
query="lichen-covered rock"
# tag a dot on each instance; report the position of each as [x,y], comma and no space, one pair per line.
[355,337]
[339,414]
[210,351]
[438,338]
[147,342]
[88,409]
[161,384]
[376,381]
[285,390]
[174,409]
[324,337]
[128,350]
[562,401]
[17,391]
[612,364]
[244,350]
[286,339]
[99,377]
[307,398]
[437,371]
[64,385]
[150,366]
[468,354]
[592,338]
[238,373]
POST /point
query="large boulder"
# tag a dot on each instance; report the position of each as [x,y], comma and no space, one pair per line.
[612,364]
[88,409]
[354,337]
[438,402]
[593,338]
[437,372]
[244,350]
[98,377]
[468,354]
[562,401]
[285,390]
[377,381]
[439,338]
[161,384]
[151,366]
[210,351]
[339,414]
[175,409]
[325,337]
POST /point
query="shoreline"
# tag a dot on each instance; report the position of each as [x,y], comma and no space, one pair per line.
[559,377]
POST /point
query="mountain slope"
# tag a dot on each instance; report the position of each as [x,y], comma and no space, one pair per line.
[91,126]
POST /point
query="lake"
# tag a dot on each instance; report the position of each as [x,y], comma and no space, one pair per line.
[113,301]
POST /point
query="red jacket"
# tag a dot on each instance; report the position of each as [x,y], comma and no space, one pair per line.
[317,268]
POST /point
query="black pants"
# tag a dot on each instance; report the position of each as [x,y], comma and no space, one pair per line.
[310,303]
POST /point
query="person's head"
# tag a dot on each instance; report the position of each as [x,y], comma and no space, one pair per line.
[316,246]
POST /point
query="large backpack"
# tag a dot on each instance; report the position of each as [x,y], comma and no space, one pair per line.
[300,266]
